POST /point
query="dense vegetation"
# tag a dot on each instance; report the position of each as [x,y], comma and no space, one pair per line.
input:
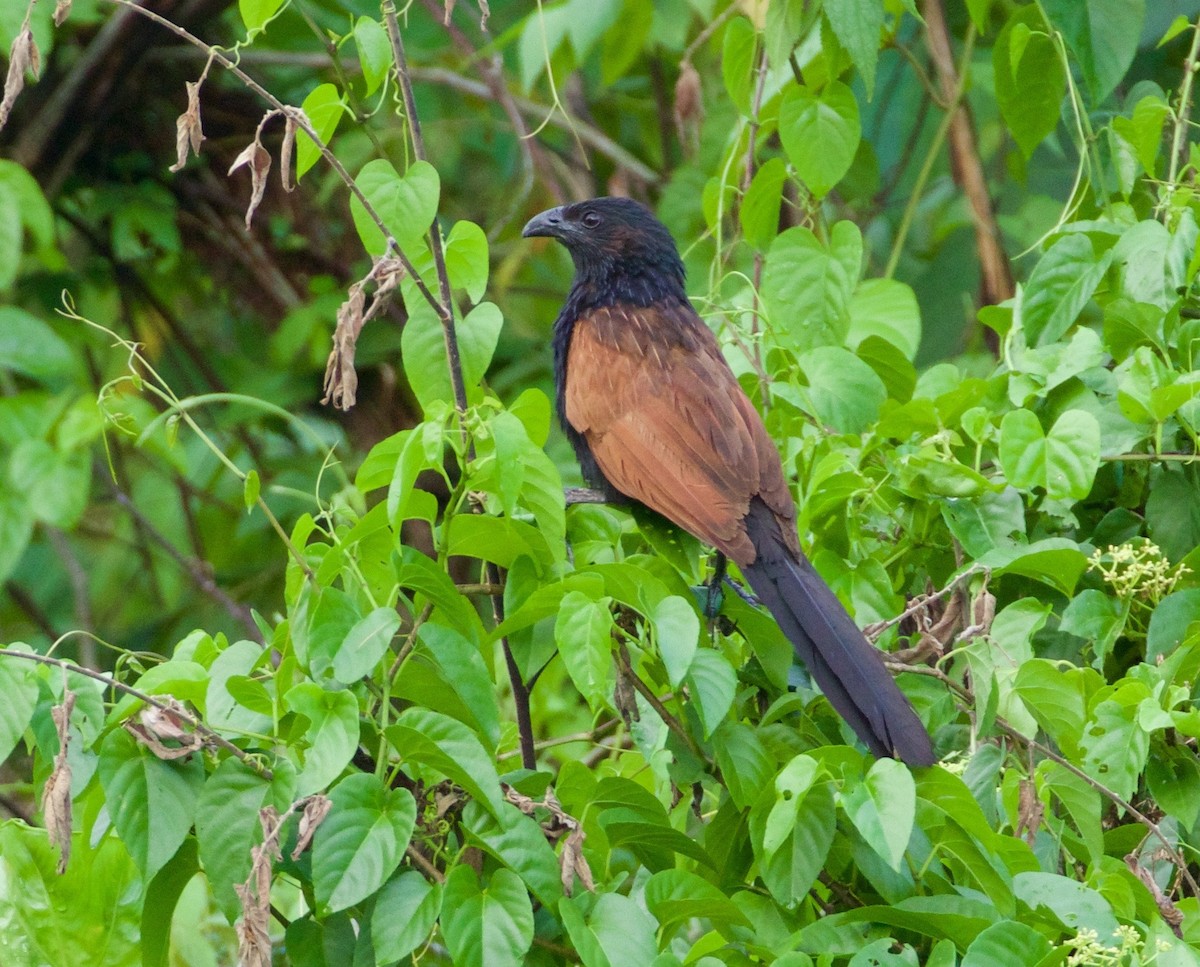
[350,682]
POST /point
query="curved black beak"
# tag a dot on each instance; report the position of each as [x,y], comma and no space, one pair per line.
[548,224]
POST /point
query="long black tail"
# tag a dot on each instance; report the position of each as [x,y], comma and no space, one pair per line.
[848,668]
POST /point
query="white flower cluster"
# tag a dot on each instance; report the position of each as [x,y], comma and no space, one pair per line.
[1138,570]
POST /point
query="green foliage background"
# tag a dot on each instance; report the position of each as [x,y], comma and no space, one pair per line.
[532,746]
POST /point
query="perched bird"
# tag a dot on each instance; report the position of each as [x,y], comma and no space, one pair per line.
[655,414]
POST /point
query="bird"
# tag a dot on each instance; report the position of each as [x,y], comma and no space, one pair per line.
[656,416]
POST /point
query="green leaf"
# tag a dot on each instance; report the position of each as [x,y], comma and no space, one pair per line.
[405,911]
[423,347]
[30,347]
[256,13]
[674,897]
[332,734]
[466,253]
[759,213]
[882,808]
[12,238]
[1056,561]
[19,686]
[375,56]
[55,485]
[791,785]
[744,763]
[518,842]
[843,392]
[92,909]
[1170,624]
[1173,775]
[324,108]
[1006,944]
[858,25]
[35,213]
[320,624]
[820,133]
[1103,35]
[1063,462]
[1030,80]
[1115,745]
[617,930]
[463,670]
[888,309]
[450,748]
[227,826]
[1054,698]
[500,540]
[898,375]
[362,841]
[151,802]
[677,633]
[790,870]
[583,631]
[1143,129]
[365,644]
[407,205]
[713,683]
[16,528]
[1070,903]
[490,927]
[1060,285]
[737,62]
[162,898]
[1095,617]
[987,521]
[250,489]
[807,287]
[428,579]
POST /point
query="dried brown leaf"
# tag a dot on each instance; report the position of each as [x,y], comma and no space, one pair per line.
[188,133]
[1030,811]
[254,937]
[285,153]
[316,808]
[689,105]
[341,379]
[62,10]
[449,7]
[156,726]
[56,795]
[573,863]
[1166,906]
[253,930]
[258,160]
[23,56]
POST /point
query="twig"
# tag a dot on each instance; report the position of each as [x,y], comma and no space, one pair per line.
[601,731]
[491,69]
[965,163]
[1176,856]
[923,602]
[1183,112]
[935,146]
[302,124]
[194,569]
[445,305]
[174,710]
[427,868]
[590,135]
[655,703]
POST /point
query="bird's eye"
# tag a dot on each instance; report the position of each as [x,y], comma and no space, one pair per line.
[591,219]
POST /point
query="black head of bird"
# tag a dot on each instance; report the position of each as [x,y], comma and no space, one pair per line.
[612,240]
